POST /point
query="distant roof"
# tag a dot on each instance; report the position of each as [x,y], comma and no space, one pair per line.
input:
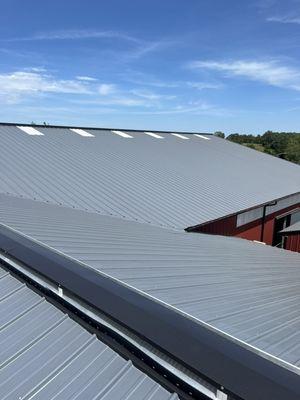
[163,178]
[44,354]
[292,228]
[247,291]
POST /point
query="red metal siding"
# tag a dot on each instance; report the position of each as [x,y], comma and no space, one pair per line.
[225,226]
[293,242]
[250,231]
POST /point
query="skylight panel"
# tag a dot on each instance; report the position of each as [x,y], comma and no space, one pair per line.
[30,130]
[81,132]
[123,134]
[179,136]
[202,137]
[155,135]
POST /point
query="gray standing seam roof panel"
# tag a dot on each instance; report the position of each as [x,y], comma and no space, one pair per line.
[246,290]
[292,228]
[46,355]
[169,182]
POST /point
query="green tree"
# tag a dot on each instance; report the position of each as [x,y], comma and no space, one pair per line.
[275,142]
[243,139]
[280,144]
[293,149]
[220,134]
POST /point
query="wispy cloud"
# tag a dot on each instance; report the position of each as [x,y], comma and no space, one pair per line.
[285,19]
[107,89]
[18,86]
[269,72]
[142,79]
[86,78]
[35,69]
[119,99]
[75,34]
[150,95]
[149,47]
[195,108]
[84,93]
[13,86]
[137,47]
[204,85]
[144,102]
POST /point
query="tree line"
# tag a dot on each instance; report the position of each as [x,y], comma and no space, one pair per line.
[284,145]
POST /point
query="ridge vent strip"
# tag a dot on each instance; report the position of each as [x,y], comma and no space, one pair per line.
[201,136]
[81,132]
[122,134]
[155,135]
[179,136]
[30,130]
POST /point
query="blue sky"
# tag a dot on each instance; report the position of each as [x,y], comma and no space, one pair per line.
[196,65]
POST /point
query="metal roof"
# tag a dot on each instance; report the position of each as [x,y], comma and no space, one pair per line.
[169,182]
[292,228]
[248,292]
[44,354]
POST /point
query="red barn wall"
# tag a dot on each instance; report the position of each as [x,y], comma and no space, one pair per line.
[251,231]
[293,242]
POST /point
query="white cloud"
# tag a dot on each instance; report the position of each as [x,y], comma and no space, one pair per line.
[136,48]
[142,79]
[204,85]
[140,46]
[76,34]
[33,86]
[286,19]
[133,47]
[35,69]
[106,89]
[86,78]
[149,95]
[149,47]
[195,108]
[139,78]
[126,101]
[269,72]
[120,100]
[17,84]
